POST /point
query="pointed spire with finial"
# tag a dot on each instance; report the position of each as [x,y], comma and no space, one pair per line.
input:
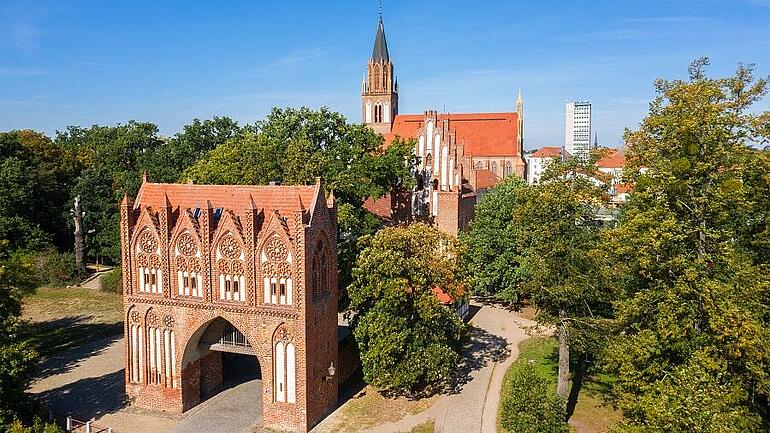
[380,51]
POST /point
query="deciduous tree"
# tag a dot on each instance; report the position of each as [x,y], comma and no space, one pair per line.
[409,342]
[693,323]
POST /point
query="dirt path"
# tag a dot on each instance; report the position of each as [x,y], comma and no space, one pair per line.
[93,387]
[472,404]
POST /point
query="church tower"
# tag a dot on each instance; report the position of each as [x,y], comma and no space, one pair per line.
[379,90]
[520,115]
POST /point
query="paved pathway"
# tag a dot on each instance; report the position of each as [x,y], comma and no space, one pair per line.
[92,387]
[234,410]
[472,405]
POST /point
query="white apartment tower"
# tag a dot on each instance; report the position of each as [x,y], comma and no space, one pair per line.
[577,129]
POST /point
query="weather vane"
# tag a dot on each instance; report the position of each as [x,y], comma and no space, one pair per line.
[380,8]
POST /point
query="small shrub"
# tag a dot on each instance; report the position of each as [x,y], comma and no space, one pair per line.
[113,281]
[529,405]
[57,269]
[38,426]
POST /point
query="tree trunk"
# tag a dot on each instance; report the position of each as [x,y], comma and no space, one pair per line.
[563,381]
[80,245]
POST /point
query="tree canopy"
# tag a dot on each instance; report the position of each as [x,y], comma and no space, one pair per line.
[409,342]
[690,340]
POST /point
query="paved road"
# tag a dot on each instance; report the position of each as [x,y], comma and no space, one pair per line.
[234,410]
[472,405]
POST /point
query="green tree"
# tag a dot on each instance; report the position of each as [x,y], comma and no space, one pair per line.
[690,346]
[409,342]
[17,358]
[167,162]
[492,251]
[529,404]
[34,171]
[557,229]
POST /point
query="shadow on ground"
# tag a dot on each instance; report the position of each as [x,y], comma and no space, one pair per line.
[87,398]
[64,342]
[481,349]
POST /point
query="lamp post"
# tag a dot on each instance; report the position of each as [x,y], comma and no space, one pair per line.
[332,370]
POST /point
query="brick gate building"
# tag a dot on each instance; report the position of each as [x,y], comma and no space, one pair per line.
[212,272]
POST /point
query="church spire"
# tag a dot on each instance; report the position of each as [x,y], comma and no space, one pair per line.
[380,51]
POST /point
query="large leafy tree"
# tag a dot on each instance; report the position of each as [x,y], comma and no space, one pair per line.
[557,230]
[113,159]
[33,173]
[693,323]
[409,342]
[167,162]
[17,358]
[492,251]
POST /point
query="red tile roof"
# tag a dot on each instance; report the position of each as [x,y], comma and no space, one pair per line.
[444,297]
[482,134]
[614,159]
[381,207]
[284,199]
[547,152]
[486,179]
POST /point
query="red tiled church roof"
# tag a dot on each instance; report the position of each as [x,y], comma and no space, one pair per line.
[547,152]
[482,134]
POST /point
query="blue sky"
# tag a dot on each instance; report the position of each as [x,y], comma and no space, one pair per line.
[102,62]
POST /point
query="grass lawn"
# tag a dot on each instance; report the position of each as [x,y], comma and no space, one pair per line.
[591,415]
[369,408]
[426,427]
[62,319]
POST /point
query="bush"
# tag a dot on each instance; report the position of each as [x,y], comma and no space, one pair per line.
[529,404]
[57,269]
[38,426]
[112,282]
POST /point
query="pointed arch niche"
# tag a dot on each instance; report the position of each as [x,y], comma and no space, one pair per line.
[276,261]
[284,366]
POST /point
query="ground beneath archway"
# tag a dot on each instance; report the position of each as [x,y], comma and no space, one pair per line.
[236,409]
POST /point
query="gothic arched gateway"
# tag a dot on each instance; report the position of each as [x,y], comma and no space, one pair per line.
[223,281]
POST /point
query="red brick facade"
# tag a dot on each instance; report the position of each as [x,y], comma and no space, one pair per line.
[201,259]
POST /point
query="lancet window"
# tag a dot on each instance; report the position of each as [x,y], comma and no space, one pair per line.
[149,272]
[188,267]
[284,368]
[231,270]
[276,270]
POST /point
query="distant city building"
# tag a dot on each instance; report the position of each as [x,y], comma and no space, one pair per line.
[577,127]
[538,161]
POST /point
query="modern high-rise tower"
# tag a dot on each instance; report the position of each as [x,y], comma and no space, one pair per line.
[577,129]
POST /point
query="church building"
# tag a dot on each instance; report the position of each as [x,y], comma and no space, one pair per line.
[461,155]
[225,283]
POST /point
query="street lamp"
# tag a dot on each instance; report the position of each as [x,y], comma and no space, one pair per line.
[332,370]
